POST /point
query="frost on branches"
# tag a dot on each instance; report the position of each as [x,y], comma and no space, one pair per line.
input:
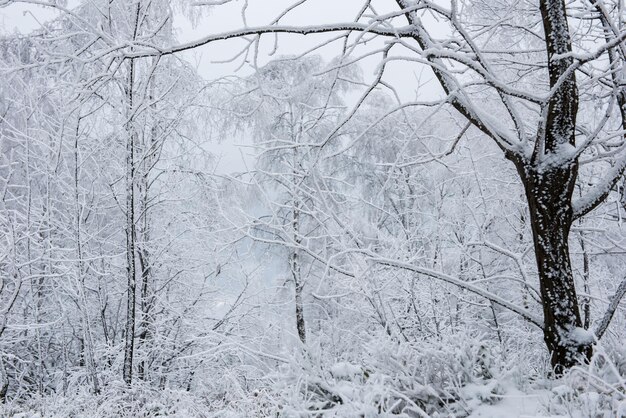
[312,208]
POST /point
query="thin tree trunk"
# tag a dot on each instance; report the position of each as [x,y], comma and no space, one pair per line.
[4,385]
[129,348]
[585,302]
[295,261]
[300,324]
[130,241]
[130,261]
[144,266]
[146,305]
[149,158]
[87,336]
[297,275]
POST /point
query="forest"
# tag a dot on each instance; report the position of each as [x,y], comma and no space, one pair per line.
[312,208]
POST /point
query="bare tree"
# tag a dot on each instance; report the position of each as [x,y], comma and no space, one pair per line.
[289,110]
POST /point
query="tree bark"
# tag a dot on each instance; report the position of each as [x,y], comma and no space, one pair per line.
[549,195]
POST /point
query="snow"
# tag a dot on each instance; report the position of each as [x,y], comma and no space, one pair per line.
[581,336]
[515,404]
[345,370]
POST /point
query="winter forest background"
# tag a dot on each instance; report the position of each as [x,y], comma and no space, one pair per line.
[360,208]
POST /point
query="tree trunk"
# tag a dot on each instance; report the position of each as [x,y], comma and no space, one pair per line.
[130,264]
[146,306]
[549,195]
[4,386]
[549,179]
[129,347]
[296,274]
[294,259]
[300,324]
[149,157]
[586,303]
[143,254]
[80,272]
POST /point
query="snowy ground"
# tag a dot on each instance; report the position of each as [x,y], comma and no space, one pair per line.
[515,404]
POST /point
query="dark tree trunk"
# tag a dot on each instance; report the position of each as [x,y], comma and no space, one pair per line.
[549,179]
[3,392]
[586,302]
[146,306]
[549,195]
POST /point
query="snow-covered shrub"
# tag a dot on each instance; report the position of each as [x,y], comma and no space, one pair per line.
[116,400]
[450,377]
[596,390]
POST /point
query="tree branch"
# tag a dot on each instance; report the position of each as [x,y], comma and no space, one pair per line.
[460,102]
[610,311]
[600,191]
[373,28]
[528,316]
